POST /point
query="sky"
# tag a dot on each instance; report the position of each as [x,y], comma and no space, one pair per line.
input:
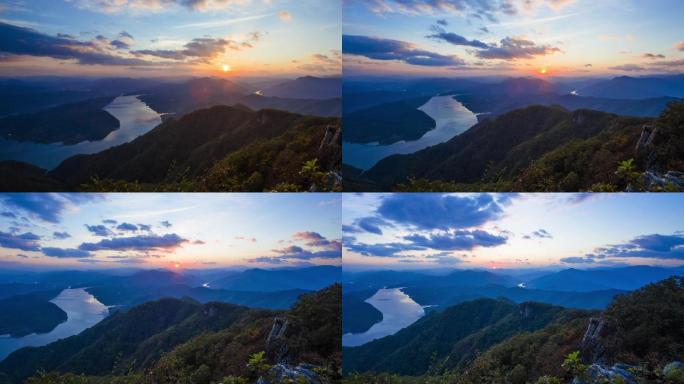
[169,230]
[511,231]
[513,37]
[170,37]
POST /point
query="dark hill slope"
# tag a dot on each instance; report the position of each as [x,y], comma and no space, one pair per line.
[451,338]
[187,147]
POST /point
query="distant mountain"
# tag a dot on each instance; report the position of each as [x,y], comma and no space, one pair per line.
[357,315]
[626,87]
[628,278]
[68,123]
[516,87]
[315,107]
[451,338]
[263,280]
[388,123]
[393,279]
[28,313]
[217,149]
[176,341]
[181,98]
[307,87]
[538,149]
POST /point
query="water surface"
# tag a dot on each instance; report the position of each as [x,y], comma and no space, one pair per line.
[451,117]
[398,312]
[83,311]
[135,119]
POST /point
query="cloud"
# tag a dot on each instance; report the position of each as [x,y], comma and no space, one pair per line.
[118,6]
[285,16]
[110,221]
[27,241]
[576,260]
[315,239]
[542,234]
[65,252]
[382,250]
[457,240]
[61,235]
[387,49]
[140,243]
[654,246]
[252,239]
[166,224]
[628,67]
[99,230]
[680,46]
[512,48]
[372,224]
[652,56]
[18,40]
[145,227]
[10,215]
[199,48]
[435,211]
[442,22]
[441,35]
[48,207]
[127,227]
[481,9]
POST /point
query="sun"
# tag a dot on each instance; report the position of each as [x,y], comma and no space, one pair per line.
[225,67]
[176,265]
[543,71]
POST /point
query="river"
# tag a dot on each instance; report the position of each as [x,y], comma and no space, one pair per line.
[399,311]
[83,311]
[135,119]
[452,118]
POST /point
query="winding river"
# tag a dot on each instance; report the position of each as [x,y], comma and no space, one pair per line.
[83,311]
[135,119]
[451,117]
[399,311]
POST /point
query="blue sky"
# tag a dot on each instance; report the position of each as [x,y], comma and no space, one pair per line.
[404,231]
[523,37]
[169,230]
[250,37]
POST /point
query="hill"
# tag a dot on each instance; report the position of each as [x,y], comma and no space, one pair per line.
[171,341]
[451,338]
[67,123]
[388,123]
[307,87]
[263,280]
[627,87]
[28,313]
[543,149]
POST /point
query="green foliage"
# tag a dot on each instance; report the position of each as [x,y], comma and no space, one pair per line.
[257,364]
[549,380]
[573,364]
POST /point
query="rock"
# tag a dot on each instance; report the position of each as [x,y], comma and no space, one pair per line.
[331,138]
[670,179]
[648,132]
[597,374]
[282,373]
[276,345]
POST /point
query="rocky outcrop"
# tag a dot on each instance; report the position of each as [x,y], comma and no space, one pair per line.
[598,374]
[282,373]
[648,132]
[670,180]
[276,345]
[591,346]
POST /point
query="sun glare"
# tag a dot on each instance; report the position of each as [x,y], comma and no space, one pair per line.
[176,265]
[226,68]
[543,71]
